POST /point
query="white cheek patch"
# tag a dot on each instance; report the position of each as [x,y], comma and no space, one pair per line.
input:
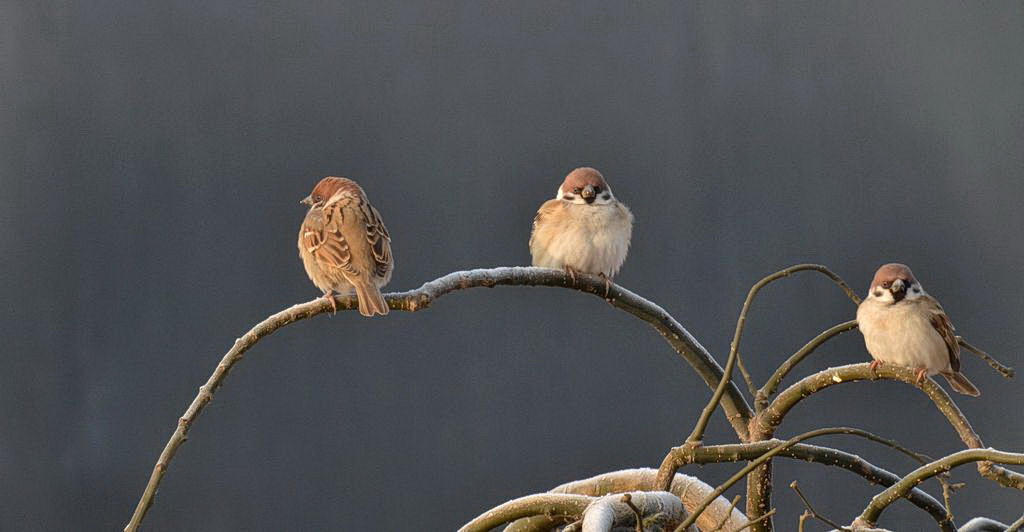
[915,291]
[884,296]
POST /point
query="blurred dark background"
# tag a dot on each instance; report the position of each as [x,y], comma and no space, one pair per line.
[152,158]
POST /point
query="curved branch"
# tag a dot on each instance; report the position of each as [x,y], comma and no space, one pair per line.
[740,452]
[736,408]
[560,508]
[614,512]
[690,490]
[765,422]
[772,417]
[772,385]
[753,464]
[897,491]
[734,347]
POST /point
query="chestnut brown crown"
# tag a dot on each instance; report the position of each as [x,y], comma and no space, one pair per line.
[328,187]
[583,176]
[891,272]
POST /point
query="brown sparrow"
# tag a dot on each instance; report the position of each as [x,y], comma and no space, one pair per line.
[905,326]
[584,229]
[344,244]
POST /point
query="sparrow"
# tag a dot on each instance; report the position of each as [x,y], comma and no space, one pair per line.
[583,229]
[905,326]
[344,245]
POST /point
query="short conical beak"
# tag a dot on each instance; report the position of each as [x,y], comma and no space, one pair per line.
[898,286]
[588,193]
[308,200]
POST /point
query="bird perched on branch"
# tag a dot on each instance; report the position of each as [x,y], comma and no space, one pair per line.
[344,245]
[904,326]
[584,229]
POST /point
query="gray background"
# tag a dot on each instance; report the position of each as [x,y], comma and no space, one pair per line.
[152,157]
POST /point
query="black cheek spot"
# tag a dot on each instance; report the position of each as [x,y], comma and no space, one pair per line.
[917,290]
[878,293]
[604,196]
[567,197]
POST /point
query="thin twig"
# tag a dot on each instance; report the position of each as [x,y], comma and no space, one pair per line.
[736,408]
[756,521]
[628,499]
[772,384]
[1005,371]
[697,434]
[803,520]
[725,518]
[947,493]
[751,387]
[812,511]
[897,491]
[739,475]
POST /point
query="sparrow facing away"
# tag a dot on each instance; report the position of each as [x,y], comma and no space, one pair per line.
[584,229]
[344,245]
[904,326]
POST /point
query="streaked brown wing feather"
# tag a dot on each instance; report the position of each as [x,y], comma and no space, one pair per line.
[325,241]
[379,238]
[945,328]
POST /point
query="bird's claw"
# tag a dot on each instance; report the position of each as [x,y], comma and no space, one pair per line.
[607,286]
[572,274]
[873,368]
[334,304]
[920,376]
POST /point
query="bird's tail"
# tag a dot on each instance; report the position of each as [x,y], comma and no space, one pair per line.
[961,383]
[371,301]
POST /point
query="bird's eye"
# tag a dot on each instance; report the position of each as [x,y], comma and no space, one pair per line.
[577,190]
[317,198]
[887,284]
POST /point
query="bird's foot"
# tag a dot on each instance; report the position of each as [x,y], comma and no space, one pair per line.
[571,273]
[920,376]
[873,368]
[607,286]
[329,296]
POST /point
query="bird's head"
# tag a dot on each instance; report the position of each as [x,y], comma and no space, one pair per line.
[325,189]
[585,186]
[894,282]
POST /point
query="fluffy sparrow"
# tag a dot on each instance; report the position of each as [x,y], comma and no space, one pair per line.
[584,229]
[905,326]
[344,244]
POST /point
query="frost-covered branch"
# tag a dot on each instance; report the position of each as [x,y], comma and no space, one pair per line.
[738,452]
[692,491]
[899,490]
[736,408]
[754,464]
[766,421]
